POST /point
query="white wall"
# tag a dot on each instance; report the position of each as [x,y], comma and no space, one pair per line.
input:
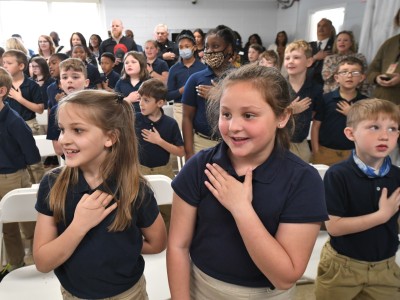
[245,16]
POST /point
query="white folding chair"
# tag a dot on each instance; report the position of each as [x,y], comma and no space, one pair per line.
[46,148]
[168,110]
[321,169]
[155,269]
[43,118]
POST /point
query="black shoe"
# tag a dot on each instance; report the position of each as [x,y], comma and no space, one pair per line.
[4,272]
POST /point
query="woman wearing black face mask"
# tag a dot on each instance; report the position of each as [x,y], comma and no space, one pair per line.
[218,53]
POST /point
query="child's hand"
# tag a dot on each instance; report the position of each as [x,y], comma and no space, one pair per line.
[16,94]
[231,193]
[298,106]
[343,107]
[203,90]
[92,209]
[59,96]
[133,97]
[151,136]
[389,206]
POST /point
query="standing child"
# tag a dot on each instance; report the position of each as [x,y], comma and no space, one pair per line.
[97,214]
[41,75]
[133,75]
[17,151]
[54,91]
[93,73]
[245,213]
[109,78]
[363,198]
[158,135]
[328,141]
[73,77]
[25,98]
[269,58]
[298,57]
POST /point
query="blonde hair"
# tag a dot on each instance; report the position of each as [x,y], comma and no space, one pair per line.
[14,43]
[5,80]
[19,56]
[113,115]
[74,64]
[270,55]
[370,109]
[299,45]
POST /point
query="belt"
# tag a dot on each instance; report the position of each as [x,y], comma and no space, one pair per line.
[211,138]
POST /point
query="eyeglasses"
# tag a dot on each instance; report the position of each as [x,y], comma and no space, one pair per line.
[43,42]
[34,67]
[353,73]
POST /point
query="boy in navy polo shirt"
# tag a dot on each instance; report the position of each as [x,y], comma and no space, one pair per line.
[158,135]
[363,198]
[109,78]
[17,151]
[329,144]
[25,98]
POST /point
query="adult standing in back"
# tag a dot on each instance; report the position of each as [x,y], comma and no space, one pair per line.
[168,50]
[322,47]
[117,44]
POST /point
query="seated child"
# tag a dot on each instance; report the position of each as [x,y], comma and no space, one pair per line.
[109,78]
[158,135]
[328,141]
[17,151]
[363,198]
[269,58]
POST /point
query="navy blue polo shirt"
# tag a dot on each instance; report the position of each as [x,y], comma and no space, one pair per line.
[17,145]
[177,77]
[43,90]
[52,90]
[105,263]
[160,66]
[112,78]
[109,44]
[152,155]
[125,87]
[350,193]
[302,121]
[93,76]
[30,90]
[53,131]
[333,123]
[285,190]
[191,98]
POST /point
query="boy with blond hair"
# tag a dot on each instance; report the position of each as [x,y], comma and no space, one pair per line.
[307,92]
[328,142]
[17,151]
[363,198]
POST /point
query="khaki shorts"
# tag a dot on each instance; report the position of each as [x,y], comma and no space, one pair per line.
[204,287]
[342,278]
[137,292]
[329,156]
[302,150]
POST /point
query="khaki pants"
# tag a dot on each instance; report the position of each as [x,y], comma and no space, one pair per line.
[36,171]
[12,232]
[204,287]
[302,150]
[137,292]
[166,170]
[329,156]
[178,114]
[201,143]
[340,277]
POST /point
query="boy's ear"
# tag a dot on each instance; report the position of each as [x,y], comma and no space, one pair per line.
[87,81]
[3,92]
[161,103]
[21,67]
[349,133]
[309,62]
[336,76]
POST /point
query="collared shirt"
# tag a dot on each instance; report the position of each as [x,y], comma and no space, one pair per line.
[351,193]
[285,190]
[93,76]
[333,123]
[159,66]
[112,78]
[191,98]
[152,155]
[178,75]
[17,146]
[125,87]
[30,90]
[105,263]
[52,90]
